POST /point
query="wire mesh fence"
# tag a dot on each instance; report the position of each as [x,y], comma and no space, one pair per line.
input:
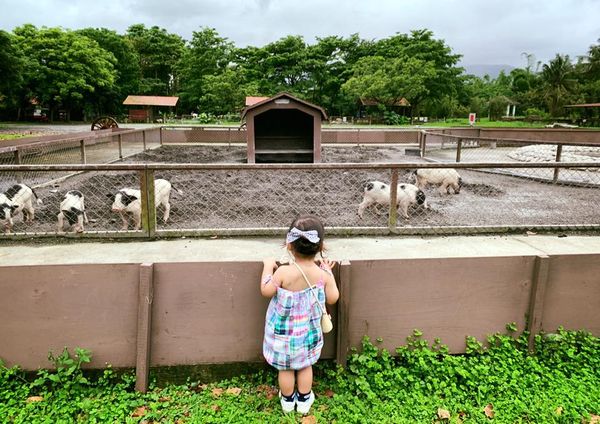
[175,199]
[84,148]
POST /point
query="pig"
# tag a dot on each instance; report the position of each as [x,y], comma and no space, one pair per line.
[18,198]
[446,178]
[128,200]
[378,193]
[73,209]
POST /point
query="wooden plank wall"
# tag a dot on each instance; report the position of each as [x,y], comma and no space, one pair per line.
[191,313]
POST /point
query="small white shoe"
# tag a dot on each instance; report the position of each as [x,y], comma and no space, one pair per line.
[304,407]
[286,405]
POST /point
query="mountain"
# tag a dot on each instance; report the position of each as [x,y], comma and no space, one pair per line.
[492,70]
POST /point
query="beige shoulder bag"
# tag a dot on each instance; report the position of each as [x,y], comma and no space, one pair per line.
[326,323]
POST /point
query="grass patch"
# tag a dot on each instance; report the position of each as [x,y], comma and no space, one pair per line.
[500,383]
[12,136]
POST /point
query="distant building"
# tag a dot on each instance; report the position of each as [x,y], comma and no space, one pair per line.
[151,105]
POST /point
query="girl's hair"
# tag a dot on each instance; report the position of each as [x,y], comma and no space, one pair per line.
[302,246]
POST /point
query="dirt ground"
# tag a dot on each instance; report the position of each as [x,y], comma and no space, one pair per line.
[271,198]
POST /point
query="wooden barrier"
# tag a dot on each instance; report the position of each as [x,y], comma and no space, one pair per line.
[165,314]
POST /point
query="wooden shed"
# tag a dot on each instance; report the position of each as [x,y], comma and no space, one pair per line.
[283,129]
[149,104]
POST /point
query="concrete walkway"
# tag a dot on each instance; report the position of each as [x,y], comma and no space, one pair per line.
[255,249]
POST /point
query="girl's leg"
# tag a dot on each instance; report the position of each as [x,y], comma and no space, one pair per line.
[305,380]
[286,382]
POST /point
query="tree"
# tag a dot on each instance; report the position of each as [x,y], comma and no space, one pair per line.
[204,65]
[63,68]
[11,64]
[389,80]
[332,60]
[420,44]
[108,100]
[558,83]
[159,53]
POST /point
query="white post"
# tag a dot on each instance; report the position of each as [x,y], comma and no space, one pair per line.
[507,110]
[514,110]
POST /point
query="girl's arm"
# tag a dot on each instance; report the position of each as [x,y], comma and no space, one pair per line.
[332,294]
[267,286]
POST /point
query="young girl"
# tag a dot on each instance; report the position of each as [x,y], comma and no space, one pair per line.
[293,335]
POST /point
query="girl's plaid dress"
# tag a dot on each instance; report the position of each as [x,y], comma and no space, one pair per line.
[293,337]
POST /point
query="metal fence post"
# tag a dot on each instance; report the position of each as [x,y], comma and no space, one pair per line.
[536,300]
[393,221]
[423,144]
[343,317]
[557,159]
[82,151]
[148,202]
[144,327]
[120,146]
[144,140]
[458,149]
[18,162]
[160,135]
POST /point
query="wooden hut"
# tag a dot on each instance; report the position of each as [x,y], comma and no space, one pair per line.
[149,104]
[283,129]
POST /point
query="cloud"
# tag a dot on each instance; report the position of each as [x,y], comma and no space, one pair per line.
[491,32]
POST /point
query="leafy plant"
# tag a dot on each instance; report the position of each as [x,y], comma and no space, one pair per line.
[497,381]
[67,371]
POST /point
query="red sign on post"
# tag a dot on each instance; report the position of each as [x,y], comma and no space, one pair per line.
[472,117]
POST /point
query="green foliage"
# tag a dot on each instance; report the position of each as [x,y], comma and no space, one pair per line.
[11,62]
[67,371]
[390,80]
[392,118]
[158,53]
[557,384]
[559,82]
[108,100]
[63,67]
[90,71]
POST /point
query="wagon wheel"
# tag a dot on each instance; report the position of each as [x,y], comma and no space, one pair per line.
[104,123]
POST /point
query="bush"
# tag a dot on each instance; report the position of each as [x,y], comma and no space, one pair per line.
[392,118]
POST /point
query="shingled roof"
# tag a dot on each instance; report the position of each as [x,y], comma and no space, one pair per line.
[150,101]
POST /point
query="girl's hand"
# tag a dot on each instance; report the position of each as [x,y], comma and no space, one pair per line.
[326,264]
[270,263]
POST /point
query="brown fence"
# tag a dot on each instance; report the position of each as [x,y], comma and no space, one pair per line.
[193,134]
[205,312]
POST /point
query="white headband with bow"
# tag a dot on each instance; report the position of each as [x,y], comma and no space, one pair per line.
[310,235]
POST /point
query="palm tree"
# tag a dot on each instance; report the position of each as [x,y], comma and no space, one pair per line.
[558,80]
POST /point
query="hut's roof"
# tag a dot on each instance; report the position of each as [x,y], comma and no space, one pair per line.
[280,96]
[150,101]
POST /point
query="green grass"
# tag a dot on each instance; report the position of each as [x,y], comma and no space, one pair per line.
[421,384]
[10,136]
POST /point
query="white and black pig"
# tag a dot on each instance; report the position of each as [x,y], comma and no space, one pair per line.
[17,199]
[72,208]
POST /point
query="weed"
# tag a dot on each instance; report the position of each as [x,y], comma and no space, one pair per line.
[498,381]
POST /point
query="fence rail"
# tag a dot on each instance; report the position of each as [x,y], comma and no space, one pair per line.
[184,313]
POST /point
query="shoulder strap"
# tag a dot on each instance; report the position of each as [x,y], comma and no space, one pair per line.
[310,286]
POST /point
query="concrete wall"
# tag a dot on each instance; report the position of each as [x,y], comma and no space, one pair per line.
[212,312]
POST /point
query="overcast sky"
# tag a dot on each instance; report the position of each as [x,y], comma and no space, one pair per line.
[484,32]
